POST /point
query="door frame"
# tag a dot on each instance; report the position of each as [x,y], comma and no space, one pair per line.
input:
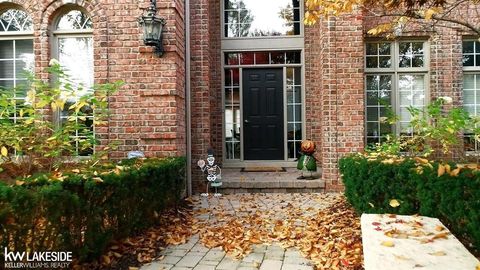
[286,162]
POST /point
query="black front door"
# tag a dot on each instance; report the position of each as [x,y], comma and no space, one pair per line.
[263,114]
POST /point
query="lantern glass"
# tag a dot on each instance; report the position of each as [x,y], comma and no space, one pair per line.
[152,30]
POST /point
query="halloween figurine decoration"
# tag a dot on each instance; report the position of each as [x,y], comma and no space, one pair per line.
[213,171]
[307,162]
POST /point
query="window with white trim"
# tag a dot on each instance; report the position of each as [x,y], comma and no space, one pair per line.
[16,55]
[471,88]
[395,79]
[73,46]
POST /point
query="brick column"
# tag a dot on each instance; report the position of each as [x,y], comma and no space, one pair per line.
[200,86]
[342,95]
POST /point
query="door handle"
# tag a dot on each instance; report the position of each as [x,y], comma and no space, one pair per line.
[246,121]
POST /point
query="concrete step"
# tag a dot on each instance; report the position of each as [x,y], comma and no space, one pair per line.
[236,181]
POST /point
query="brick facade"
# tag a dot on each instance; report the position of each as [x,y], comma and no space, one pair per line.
[149,112]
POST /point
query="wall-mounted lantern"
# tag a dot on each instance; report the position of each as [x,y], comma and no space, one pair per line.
[153,28]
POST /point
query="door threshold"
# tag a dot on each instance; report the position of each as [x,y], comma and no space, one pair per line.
[259,163]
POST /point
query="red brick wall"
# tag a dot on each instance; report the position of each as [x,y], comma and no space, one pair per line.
[148,113]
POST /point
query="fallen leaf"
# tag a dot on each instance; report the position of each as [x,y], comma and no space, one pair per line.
[439,228]
[455,172]
[4,151]
[106,260]
[441,170]
[401,257]
[388,244]
[394,203]
[438,253]
[443,235]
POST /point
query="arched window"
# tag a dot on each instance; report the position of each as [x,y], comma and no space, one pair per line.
[73,47]
[16,53]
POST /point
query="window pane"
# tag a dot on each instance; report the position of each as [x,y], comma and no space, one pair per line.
[74,20]
[467,60]
[372,48]
[468,97]
[384,48]
[372,114]
[247,18]
[385,62]
[277,58]
[24,48]
[372,61]
[231,59]
[6,69]
[262,58]
[372,82]
[417,61]
[417,47]
[15,20]
[405,62]
[467,47]
[232,77]
[293,57]
[76,56]
[469,82]
[247,58]
[6,49]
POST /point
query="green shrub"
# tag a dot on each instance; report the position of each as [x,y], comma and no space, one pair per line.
[84,212]
[453,197]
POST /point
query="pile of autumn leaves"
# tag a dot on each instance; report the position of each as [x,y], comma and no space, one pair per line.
[327,233]
[330,237]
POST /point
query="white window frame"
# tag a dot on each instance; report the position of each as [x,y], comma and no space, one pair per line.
[395,72]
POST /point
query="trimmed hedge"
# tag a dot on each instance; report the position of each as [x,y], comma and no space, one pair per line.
[370,184]
[84,212]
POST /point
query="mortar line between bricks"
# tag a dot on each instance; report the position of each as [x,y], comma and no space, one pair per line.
[202,256]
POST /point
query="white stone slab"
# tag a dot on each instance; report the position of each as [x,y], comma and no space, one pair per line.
[410,250]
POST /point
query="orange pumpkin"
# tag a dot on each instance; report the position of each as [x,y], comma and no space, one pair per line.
[307,147]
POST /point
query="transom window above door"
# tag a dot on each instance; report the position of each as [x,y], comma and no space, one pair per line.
[261,18]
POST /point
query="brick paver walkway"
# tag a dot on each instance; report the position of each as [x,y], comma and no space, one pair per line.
[194,255]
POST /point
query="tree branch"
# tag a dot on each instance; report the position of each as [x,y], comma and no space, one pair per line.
[434,17]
